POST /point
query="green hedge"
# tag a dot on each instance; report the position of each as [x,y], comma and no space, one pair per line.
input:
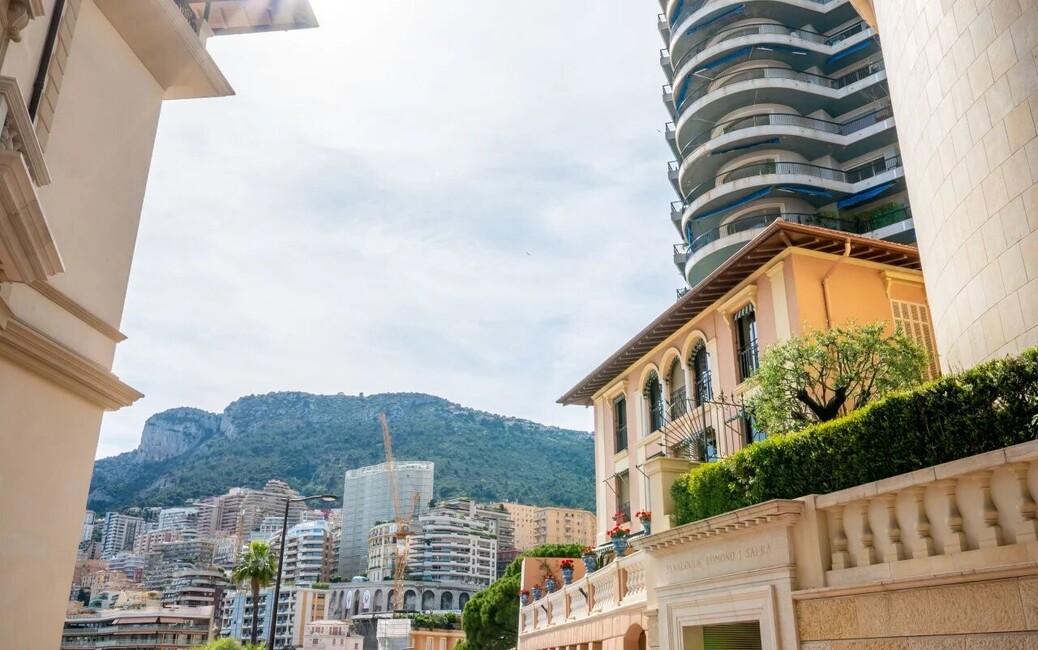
[989,407]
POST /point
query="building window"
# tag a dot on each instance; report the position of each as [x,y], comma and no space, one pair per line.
[700,363]
[746,342]
[750,431]
[620,423]
[710,445]
[914,319]
[678,401]
[654,400]
[623,495]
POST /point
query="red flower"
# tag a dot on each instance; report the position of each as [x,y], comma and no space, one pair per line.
[643,515]
[587,550]
[566,564]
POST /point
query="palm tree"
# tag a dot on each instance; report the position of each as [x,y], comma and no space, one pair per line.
[256,566]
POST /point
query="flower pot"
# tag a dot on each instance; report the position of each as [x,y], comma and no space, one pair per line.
[647,526]
[619,545]
[536,591]
[524,599]
[567,575]
[550,585]
[589,562]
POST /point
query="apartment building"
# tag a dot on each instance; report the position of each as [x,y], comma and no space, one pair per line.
[309,553]
[119,534]
[535,525]
[780,111]
[332,635]
[452,547]
[367,500]
[83,82]
[297,607]
[151,628]
[88,526]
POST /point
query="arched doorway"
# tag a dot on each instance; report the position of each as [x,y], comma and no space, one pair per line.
[391,601]
[447,600]
[634,638]
[462,599]
[428,600]
[376,602]
[409,600]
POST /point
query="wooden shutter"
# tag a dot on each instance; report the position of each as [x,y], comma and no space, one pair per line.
[915,319]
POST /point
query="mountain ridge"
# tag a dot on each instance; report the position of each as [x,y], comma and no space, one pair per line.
[310,440]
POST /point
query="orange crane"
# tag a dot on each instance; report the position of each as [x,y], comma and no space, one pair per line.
[403,523]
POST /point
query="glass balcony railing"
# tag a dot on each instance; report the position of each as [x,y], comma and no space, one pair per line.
[683,10]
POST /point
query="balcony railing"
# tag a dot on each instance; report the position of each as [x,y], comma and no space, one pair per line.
[725,80]
[788,119]
[686,9]
[768,168]
[769,29]
[749,360]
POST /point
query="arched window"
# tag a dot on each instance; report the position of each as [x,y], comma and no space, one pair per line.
[447,601]
[678,401]
[654,400]
[462,599]
[702,392]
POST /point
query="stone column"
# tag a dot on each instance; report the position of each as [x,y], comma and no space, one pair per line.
[662,472]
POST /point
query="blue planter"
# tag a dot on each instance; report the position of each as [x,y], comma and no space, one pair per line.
[567,575]
[550,585]
[536,593]
[619,545]
[589,563]
[524,599]
[647,526]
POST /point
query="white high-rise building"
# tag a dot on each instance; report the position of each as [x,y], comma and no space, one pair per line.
[367,500]
[453,547]
[88,526]
[178,519]
[120,532]
[308,553]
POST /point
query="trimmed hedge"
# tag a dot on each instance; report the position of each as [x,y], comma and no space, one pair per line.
[991,406]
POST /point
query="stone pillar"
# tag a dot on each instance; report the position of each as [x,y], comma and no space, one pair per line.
[662,472]
[964,85]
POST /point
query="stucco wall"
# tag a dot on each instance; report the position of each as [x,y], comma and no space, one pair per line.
[964,84]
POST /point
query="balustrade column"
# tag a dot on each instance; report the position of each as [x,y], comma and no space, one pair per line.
[1026,530]
[955,542]
[867,553]
[923,546]
[841,558]
[991,536]
[894,550]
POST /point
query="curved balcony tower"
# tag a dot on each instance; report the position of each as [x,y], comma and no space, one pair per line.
[780,110]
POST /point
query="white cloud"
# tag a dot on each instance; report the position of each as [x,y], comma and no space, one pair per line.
[463,198]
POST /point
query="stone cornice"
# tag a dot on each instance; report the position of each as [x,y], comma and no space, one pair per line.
[27,248]
[44,356]
[78,310]
[778,511]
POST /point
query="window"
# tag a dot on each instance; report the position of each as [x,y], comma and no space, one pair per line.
[678,401]
[710,445]
[620,423]
[746,342]
[700,363]
[914,319]
[623,494]
[654,399]
[751,433]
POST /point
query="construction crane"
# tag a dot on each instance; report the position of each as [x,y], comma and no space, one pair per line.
[403,522]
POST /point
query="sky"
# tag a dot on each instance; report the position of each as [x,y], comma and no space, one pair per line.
[467,198]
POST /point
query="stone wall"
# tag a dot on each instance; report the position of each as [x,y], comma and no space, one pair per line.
[964,84]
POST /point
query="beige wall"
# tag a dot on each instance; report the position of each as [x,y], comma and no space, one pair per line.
[964,84]
[535,525]
[789,299]
[524,519]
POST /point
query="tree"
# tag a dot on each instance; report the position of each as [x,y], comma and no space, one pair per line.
[491,617]
[826,374]
[258,567]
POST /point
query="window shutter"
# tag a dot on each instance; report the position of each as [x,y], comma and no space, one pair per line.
[914,318]
[734,636]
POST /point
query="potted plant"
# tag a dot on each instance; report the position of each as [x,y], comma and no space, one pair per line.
[619,535]
[550,583]
[619,518]
[645,517]
[587,556]
[566,566]
[524,597]
[537,590]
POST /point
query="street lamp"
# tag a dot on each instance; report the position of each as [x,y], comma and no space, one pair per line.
[281,557]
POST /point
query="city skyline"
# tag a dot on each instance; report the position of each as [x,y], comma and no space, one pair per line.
[397,199]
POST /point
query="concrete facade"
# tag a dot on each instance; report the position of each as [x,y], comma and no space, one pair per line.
[964,83]
[82,85]
[537,525]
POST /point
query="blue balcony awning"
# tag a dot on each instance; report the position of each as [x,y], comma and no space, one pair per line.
[861,197]
[743,201]
[750,145]
[804,189]
[850,50]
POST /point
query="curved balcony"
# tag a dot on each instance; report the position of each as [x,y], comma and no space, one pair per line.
[819,185]
[711,248]
[801,91]
[811,137]
[794,43]
[688,17]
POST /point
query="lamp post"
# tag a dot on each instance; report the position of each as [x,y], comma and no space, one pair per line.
[281,558]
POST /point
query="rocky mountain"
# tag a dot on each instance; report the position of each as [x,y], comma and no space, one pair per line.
[311,440]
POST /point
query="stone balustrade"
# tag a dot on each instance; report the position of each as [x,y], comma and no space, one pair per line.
[962,515]
[618,584]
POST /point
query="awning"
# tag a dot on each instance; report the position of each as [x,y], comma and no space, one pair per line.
[861,197]
[850,50]
[751,145]
[752,197]
[804,189]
